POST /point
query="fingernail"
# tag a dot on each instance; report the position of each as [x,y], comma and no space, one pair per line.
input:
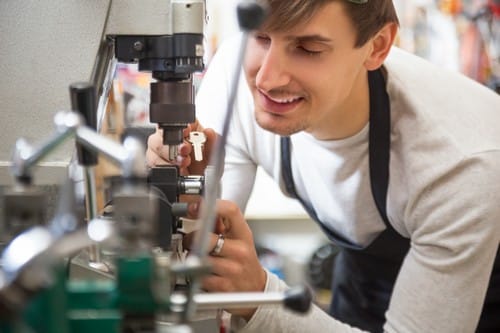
[193,208]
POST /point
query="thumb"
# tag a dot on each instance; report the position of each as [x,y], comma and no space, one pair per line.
[211,139]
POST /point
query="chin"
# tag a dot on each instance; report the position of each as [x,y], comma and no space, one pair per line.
[276,124]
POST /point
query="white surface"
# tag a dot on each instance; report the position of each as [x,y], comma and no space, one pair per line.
[268,202]
[295,240]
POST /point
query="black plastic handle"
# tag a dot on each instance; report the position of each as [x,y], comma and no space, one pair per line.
[298,299]
[250,15]
[83,100]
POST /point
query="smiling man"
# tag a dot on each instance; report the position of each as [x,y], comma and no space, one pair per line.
[308,77]
[397,160]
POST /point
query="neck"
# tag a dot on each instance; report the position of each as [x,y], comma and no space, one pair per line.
[351,116]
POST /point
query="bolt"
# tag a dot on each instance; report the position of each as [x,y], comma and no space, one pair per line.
[138,46]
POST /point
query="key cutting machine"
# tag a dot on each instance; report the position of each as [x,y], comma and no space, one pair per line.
[53,277]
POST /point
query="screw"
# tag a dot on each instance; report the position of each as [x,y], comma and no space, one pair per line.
[138,46]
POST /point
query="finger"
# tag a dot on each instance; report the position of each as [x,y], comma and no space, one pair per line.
[185,149]
[153,159]
[190,238]
[226,267]
[216,283]
[193,209]
[196,126]
[212,137]
[232,261]
[193,127]
[155,139]
[233,220]
[186,131]
[183,163]
[235,249]
[219,227]
[217,245]
[159,149]
[187,240]
[183,159]
[152,155]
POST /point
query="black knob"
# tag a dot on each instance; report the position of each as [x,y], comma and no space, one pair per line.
[298,299]
[250,15]
[83,100]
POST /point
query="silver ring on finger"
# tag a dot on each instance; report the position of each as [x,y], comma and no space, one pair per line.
[218,245]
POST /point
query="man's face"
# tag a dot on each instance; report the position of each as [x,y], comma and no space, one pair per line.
[310,78]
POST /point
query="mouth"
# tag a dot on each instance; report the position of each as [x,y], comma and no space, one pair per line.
[279,105]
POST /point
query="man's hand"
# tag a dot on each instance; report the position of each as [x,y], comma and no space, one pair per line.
[157,153]
[236,267]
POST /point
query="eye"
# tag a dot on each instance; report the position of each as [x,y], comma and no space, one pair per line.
[262,38]
[309,51]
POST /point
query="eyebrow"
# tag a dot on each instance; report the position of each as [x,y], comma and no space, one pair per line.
[310,38]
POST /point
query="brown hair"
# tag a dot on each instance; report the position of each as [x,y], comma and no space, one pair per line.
[367,18]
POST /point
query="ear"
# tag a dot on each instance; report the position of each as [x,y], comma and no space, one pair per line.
[381,44]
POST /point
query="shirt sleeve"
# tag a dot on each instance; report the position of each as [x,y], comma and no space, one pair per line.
[444,277]
[455,234]
[211,108]
[278,319]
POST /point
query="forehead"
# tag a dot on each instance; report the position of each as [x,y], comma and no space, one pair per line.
[327,19]
[286,14]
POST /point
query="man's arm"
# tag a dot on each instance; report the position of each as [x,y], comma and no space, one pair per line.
[442,283]
[279,319]
[455,234]
[211,107]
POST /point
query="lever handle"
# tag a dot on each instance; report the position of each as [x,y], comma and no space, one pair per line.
[250,15]
[298,299]
[83,100]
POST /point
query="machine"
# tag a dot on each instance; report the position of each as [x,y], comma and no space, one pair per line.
[66,271]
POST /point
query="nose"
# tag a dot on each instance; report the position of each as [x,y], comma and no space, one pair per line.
[273,72]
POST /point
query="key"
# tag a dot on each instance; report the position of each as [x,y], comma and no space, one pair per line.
[197,139]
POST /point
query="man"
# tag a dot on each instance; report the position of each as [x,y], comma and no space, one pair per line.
[397,160]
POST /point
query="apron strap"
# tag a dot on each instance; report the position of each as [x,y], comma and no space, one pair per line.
[379,141]
[363,277]
[379,152]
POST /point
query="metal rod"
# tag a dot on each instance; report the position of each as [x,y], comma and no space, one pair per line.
[21,167]
[215,168]
[109,148]
[103,78]
[129,156]
[207,214]
[25,157]
[91,207]
[237,300]
[211,301]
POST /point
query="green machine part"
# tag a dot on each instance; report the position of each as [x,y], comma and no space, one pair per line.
[107,306]
[134,280]
[91,306]
[45,313]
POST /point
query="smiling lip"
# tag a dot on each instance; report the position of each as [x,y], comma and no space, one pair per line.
[278,106]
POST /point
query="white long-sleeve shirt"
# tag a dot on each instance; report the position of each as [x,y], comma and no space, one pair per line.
[444,189]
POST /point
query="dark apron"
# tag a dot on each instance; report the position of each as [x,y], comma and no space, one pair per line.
[363,278]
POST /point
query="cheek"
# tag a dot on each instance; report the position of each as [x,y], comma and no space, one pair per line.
[249,69]
[252,61]
[328,90]
[323,83]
